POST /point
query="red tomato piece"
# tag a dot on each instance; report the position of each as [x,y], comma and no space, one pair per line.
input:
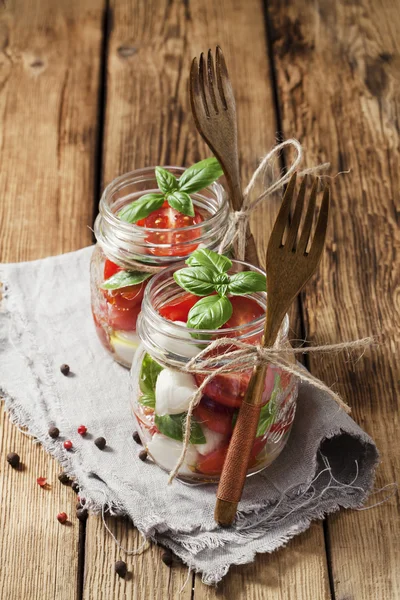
[178,310]
[212,463]
[127,297]
[169,218]
[110,269]
[258,446]
[228,390]
[123,318]
[214,416]
[245,310]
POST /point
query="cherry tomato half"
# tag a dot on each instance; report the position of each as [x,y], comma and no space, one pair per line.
[110,269]
[216,417]
[169,218]
[212,463]
[178,310]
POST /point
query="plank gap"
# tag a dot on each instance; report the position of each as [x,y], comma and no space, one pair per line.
[101,109]
[80,576]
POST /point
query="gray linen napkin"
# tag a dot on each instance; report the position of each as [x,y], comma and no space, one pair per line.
[45,321]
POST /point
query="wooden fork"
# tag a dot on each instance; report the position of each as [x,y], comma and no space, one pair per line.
[289,266]
[214,112]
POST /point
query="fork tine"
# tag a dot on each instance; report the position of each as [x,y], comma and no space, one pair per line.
[294,225]
[308,221]
[194,89]
[282,218]
[211,80]
[203,84]
[222,77]
[318,241]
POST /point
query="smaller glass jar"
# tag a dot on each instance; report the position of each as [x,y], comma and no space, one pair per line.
[121,246]
[161,390]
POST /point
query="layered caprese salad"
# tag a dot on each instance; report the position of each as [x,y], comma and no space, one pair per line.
[164,394]
[169,218]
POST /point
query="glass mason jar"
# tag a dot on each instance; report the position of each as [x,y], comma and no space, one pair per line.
[120,245]
[161,390]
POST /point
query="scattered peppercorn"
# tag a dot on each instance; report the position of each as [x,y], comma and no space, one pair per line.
[167,558]
[54,432]
[62,517]
[75,487]
[143,455]
[63,477]
[65,370]
[120,568]
[82,430]
[13,459]
[41,481]
[136,437]
[82,514]
[100,442]
[68,444]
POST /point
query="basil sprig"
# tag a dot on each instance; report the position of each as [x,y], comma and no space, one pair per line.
[173,427]
[149,373]
[123,279]
[207,276]
[174,191]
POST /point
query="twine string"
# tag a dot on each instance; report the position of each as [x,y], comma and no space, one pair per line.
[241,357]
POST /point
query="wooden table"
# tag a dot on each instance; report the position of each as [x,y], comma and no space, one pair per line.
[90,89]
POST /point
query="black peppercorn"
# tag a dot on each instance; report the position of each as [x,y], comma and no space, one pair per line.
[63,478]
[143,455]
[65,369]
[54,432]
[82,514]
[167,558]
[100,442]
[136,437]
[13,459]
[75,487]
[120,568]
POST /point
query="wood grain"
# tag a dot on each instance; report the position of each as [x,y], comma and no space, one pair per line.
[148,122]
[338,80]
[48,112]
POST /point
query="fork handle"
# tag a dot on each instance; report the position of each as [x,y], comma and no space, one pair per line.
[232,480]
[236,463]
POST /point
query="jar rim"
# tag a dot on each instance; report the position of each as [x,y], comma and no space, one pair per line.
[174,328]
[132,227]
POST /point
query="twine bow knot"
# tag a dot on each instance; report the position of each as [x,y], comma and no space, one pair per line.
[240,356]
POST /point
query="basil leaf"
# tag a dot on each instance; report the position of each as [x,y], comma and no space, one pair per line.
[149,372]
[123,279]
[269,410]
[182,202]
[210,312]
[166,181]
[247,282]
[196,280]
[148,400]
[142,208]
[200,175]
[173,426]
[209,258]
[221,283]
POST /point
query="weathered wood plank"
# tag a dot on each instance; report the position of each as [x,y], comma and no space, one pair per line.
[337,67]
[48,112]
[148,122]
